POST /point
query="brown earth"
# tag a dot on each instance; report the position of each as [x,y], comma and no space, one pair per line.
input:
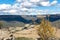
[30,33]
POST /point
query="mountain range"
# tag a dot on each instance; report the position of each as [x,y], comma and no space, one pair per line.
[21,20]
[26,18]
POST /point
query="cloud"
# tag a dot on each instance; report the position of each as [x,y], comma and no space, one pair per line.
[4,6]
[23,9]
[26,7]
[9,11]
[29,3]
[18,0]
[26,4]
[45,3]
[54,2]
[44,0]
[34,1]
[12,11]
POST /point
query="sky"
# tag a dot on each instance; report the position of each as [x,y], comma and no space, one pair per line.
[29,7]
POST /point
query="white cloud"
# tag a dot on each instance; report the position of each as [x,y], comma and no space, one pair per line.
[5,6]
[30,3]
[44,0]
[23,9]
[26,4]
[15,6]
[34,0]
[54,2]
[26,7]
[45,3]
[19,0]
[12,11]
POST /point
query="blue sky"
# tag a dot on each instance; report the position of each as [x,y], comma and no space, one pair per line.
[13,1]
[7,1]
[29,7]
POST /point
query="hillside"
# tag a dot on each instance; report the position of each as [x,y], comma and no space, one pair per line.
[21,20]
[26,18]
[56,23]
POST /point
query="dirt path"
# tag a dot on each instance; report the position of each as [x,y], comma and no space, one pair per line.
[58,33]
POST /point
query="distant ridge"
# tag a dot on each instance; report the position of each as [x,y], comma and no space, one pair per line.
[9,18]
[53,18]
[18,18]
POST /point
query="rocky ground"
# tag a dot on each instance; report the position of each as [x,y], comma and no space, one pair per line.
[30,33]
